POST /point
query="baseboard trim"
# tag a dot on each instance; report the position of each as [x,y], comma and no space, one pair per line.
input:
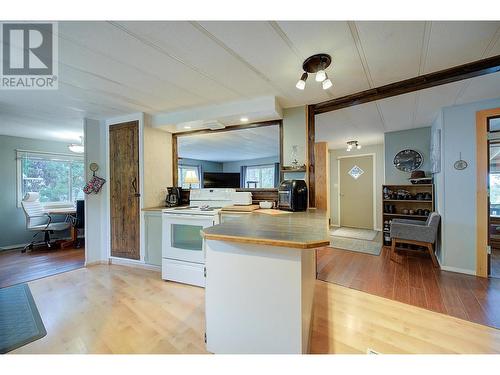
[134,263]
[21,245]
[96,263]
[458,270]
[12,247]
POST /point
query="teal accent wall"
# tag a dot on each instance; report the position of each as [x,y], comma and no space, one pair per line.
[12,221]
[207,166]
[418,139]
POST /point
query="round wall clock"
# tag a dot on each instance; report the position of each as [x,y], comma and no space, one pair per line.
[408,160]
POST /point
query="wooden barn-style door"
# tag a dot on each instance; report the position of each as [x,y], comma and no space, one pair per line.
[124,190]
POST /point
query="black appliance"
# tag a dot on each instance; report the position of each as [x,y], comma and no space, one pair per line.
[212,180]
[173,198]
[292,195]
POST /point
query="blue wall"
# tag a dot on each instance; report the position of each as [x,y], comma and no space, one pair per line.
[416,139]
[456,190]
[207,166]
[235,166]
[12,221]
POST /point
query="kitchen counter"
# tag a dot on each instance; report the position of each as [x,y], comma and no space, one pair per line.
[300,230]
[260,273]
[154,209]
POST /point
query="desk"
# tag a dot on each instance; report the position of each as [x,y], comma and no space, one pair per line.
[65,211]
[61,211]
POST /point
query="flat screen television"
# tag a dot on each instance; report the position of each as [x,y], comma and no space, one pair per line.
[212,180]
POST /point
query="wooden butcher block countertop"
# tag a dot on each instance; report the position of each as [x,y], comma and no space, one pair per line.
[301,230]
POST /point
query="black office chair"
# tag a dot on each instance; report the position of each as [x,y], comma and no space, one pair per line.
[79,220]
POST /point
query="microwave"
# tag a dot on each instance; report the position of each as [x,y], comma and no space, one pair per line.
[292,195]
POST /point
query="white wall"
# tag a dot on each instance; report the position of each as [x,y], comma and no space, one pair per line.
[456,190]
[157,164]
[295,133]
[378,150]
[96,229]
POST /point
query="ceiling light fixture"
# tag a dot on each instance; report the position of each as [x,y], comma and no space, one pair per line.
[316,64]
[352,144]
[187,127]
[77,148]
[244,119]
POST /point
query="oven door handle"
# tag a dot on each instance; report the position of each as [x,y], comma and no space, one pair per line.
[194,217]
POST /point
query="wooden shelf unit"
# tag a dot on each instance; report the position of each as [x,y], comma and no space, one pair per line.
[401,204]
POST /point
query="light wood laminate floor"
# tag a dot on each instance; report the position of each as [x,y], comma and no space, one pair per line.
[117,309]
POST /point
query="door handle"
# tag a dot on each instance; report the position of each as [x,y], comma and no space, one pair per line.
[134,186]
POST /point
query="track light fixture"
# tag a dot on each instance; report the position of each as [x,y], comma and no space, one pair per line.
[352,144]
[301,85]
[317,65]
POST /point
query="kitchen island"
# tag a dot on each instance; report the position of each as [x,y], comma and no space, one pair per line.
[260,276]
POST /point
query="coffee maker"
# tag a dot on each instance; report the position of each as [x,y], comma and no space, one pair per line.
[173,198]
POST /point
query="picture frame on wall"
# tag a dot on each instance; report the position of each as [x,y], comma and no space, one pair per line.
[435,151]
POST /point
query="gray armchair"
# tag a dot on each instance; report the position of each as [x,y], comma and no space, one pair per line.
[415,232]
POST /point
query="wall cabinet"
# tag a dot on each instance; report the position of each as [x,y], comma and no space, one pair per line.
[153,237]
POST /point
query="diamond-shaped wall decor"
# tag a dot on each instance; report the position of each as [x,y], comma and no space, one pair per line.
[355,172]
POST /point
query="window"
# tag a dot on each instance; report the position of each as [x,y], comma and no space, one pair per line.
[56,177]
[495,194]
[260,176]
[181,176]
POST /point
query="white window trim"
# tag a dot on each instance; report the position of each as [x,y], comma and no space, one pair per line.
[260,166]
[19,188]
[198,171]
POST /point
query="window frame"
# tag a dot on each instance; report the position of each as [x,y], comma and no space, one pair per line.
[22,154]
[260,166]
[198,171]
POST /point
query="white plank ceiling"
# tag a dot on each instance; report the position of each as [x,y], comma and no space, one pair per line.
[113,68]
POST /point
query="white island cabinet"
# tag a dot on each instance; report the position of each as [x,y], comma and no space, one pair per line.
[260,277]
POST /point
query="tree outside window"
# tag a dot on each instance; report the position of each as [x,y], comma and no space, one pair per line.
[54,180]
[260,176]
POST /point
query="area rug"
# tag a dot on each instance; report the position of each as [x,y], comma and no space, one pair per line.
[361,246]
[20,321]
[356,233]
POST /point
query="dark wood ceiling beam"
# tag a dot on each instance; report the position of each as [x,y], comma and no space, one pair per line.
[442,77]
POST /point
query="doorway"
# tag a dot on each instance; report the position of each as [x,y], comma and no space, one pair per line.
[124,190]
[356,191]
[494,196]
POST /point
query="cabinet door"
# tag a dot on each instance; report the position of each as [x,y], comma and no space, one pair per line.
[152,222]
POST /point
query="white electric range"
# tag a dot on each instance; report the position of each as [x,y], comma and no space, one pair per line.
[183,250]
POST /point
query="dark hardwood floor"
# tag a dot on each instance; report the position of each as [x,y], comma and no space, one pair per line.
[413,280]
[16,267]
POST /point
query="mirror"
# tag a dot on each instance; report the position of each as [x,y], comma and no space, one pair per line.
[245,158]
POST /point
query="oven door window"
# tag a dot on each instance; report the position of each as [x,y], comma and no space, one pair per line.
[187,237]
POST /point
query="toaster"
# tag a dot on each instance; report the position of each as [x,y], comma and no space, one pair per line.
[241,198]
